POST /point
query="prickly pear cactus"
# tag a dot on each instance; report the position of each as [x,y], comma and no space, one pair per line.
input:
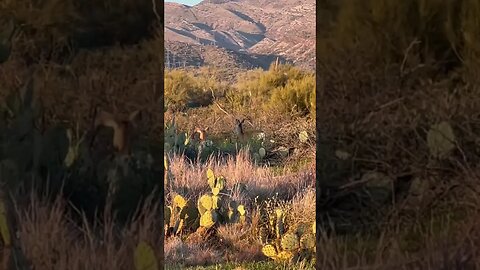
[307,241]
[145,257]
[189,215]
[209,218]
[279,225]
[184,214]
[290,242]
[205,203]
[241,210]
[285,242]
[211,178]
[270,251]
[179,201]
[211,209]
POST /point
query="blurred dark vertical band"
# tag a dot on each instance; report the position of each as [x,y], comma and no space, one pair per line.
[158,7]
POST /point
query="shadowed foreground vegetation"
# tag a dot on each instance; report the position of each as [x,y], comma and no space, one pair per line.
[81,180]
[397,119]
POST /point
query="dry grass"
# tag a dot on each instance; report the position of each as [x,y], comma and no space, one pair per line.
[260,181]
[450,245]
[51,240]
[236,242]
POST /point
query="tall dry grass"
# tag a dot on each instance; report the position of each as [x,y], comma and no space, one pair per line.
[51,239]
[236,242]
[260,181]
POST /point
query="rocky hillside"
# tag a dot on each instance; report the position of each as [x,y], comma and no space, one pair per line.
[245,33]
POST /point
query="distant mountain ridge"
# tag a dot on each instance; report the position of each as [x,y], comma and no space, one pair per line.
[253,32]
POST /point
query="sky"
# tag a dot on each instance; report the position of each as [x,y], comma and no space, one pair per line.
[186,2]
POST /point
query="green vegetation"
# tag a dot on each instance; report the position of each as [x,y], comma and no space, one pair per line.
[236,136]
[397,84]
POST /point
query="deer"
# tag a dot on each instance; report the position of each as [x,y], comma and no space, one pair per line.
[238,129]
[202,133]
[123,129]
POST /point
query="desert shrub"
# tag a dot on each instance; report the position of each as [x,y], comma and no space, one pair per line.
[283,87]
[184,90]
[259,83]
[297,95]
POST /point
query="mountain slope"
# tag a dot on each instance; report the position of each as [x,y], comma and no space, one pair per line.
[254,30]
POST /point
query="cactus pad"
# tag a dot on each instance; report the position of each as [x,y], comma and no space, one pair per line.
[220,182]
[189,214]
[269,251]
[263,235]
[232,205]
[179,201]
[290,242]
[211,178]
[285,255]
[232,217]
[307,241]
[215,202]
[206,202]
[241,209]
[279,228]
[208,219]
[302,228]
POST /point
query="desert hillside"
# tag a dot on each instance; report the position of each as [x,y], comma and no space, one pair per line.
[255,31]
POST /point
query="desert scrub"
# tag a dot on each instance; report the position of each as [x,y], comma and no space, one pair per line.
[282,85]
[297,95]
[239,236]
[184,90]
[284,233]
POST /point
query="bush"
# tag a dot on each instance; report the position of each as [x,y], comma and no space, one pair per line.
[283,87]
[297,95]
[183,90]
